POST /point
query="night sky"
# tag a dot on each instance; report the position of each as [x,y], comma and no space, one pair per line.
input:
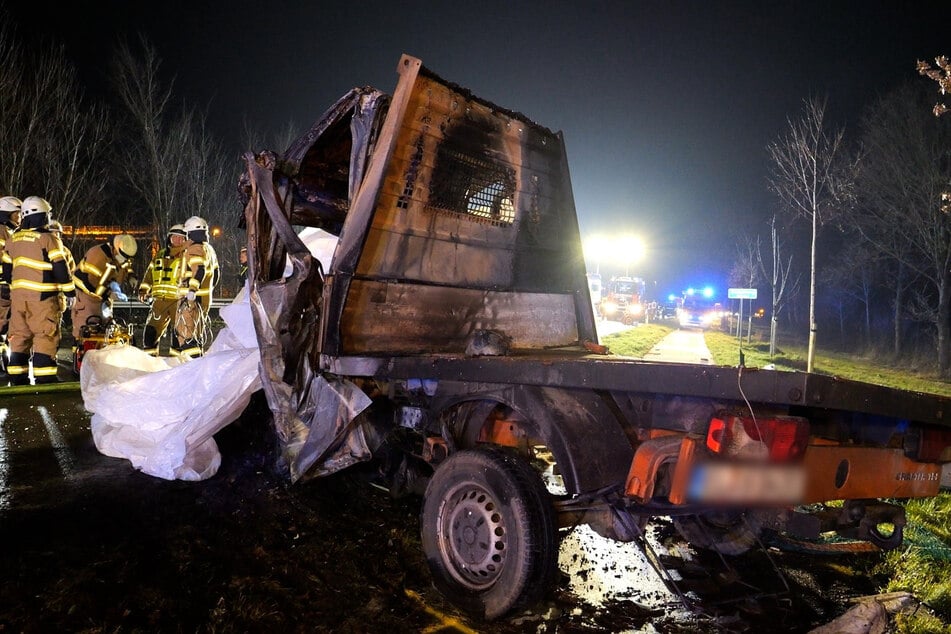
[666,107]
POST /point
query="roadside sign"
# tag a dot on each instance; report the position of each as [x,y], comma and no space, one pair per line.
[741,293]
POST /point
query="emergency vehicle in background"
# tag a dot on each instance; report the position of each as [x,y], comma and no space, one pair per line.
[594,290]
[699,311]
[623,300]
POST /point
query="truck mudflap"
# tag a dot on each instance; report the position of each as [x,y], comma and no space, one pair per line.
[826,472]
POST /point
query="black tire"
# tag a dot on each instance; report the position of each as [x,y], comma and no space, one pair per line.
[726,532]
[488,532]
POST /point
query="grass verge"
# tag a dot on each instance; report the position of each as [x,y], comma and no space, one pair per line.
[725,351]
[638,341]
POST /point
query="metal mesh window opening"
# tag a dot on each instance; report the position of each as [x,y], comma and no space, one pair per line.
[474,187]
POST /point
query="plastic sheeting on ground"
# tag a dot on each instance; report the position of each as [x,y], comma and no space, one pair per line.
[161,413]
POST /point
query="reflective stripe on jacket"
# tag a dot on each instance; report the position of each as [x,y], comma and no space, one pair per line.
[97,268]
[199,269]
[35,262]
[162,276]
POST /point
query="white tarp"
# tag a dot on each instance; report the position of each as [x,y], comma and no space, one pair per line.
[161,413]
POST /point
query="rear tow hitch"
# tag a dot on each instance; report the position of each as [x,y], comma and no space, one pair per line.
[867,520]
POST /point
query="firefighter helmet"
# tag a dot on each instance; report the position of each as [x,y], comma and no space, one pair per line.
[176,230]
[125,246]
[196,228]
[35,213]
[35,205]
[10,204]
[56,225]
[196,223]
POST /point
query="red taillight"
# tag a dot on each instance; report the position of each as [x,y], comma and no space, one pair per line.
[778,439]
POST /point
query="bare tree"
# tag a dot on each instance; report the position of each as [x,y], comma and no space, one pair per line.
[782,285]
[54,139]
[853,274]
[905,168]
[154,163]
[256,139]
[177,167]
[745,272]
[803,175]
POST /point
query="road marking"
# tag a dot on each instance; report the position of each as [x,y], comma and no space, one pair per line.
[60,449]
[5,496]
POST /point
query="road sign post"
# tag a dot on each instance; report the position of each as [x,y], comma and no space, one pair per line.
[741,294]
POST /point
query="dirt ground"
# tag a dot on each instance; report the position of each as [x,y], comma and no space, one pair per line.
[114,550]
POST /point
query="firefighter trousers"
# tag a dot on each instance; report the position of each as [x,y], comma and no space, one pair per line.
[190,326]
[34,331]
[161,315]
[84,307]
[4,315]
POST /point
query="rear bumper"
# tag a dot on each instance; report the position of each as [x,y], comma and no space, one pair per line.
[827,472]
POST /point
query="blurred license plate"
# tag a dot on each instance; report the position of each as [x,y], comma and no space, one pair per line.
[745,483]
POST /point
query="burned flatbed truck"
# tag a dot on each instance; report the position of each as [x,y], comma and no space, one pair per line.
[451,338]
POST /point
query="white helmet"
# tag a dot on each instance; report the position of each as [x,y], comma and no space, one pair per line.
[196,223]
[176,230]
[35,205]
[196,228]
[10,204]
[125,246]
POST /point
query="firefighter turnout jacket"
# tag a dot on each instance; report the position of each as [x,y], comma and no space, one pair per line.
[99,267]
[161,279]
[6,231]
[199,275]
[34,265]
[199,269]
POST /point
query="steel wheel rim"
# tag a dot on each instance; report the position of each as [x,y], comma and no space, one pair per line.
[474,536]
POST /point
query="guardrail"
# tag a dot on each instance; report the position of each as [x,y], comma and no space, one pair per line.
[136,312]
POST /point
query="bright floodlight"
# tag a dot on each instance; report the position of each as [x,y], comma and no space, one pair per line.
[629,249]
[708,292]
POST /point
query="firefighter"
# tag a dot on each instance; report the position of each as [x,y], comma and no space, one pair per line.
[160,285]
[36,271]
[199,277]
[242,267]
[102,269]
[9,219]
[56,228]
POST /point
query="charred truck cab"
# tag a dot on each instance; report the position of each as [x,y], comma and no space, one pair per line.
[452,334]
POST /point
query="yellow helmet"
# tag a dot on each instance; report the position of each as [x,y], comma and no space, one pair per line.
[125,245]
[56,225]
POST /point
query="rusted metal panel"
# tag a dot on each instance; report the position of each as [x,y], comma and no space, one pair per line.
[473,198]
[413,318]
[786,389]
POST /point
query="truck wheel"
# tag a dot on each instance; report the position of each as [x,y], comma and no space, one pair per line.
[488,532]
[726,532]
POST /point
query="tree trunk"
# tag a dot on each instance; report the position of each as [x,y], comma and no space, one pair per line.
[899,297]
[810,361]
[944,328]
